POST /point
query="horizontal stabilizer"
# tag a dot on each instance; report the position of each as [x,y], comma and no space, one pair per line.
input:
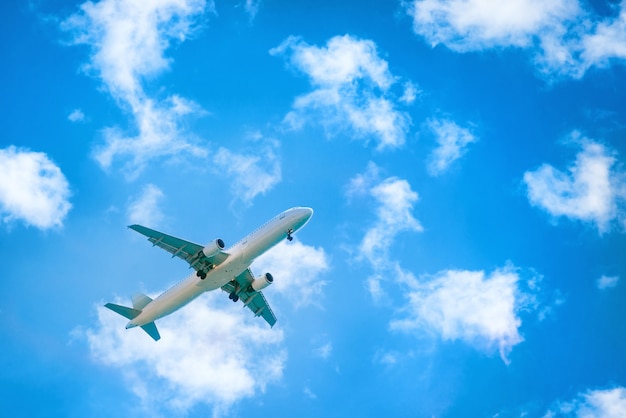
[152,331]
[140,301]
[129,313]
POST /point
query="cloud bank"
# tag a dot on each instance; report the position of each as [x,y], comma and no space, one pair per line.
[210,353]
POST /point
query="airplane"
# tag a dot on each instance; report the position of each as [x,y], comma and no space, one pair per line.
[215,268]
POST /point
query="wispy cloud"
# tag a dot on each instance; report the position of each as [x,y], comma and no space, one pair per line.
[607,282]
[600,403]
[394,206]
[394,214]
[252,173]
[145,209]
[563,37]
[203,356]
[252,8]
[77,115]
[32,189]
[324,351]
[128,41]
[452,143]
[350,90]
[296,266]
[593,190]
[479,309]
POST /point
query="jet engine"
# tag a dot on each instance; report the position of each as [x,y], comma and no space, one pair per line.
[262,282]
[213,248]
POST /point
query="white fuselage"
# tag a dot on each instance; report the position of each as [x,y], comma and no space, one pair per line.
[241,255]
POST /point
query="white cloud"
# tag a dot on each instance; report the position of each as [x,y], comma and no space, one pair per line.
[77,115]
[386,358]
[32,189]
[309,393]
[479,309]
[296,268]
[128,41]
[208,354]
[467,25]
[607,282]
[145,209]
[324,351]
[411,92]
[607,42]
[350,83]
[600,403]
[159,135]
[374,287]
[591,191]
[394,206]
[395,199]
[563,37]
[251,174]
[252,8]
[452,143]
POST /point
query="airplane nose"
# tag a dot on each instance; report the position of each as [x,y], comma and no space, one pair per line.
[303,215]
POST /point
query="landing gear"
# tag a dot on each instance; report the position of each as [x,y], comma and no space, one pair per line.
[201,274]
[233,296]
[289,237]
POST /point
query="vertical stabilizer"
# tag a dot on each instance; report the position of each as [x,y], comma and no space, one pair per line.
[140,301]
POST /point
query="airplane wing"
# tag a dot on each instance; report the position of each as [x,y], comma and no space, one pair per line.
[188,251]
[254,300]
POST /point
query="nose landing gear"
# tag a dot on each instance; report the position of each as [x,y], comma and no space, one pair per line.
[289,232]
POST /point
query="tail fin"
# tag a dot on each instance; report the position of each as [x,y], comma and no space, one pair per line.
[140,301]
[132,313]
[129,313]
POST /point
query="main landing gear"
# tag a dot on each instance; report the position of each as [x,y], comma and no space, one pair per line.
[202,274]
[233,296]
[289,232]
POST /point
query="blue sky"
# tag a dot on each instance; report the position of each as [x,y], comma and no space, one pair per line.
[465,160]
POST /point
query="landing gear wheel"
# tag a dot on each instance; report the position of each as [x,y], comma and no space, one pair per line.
[233,296]
[201,274]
